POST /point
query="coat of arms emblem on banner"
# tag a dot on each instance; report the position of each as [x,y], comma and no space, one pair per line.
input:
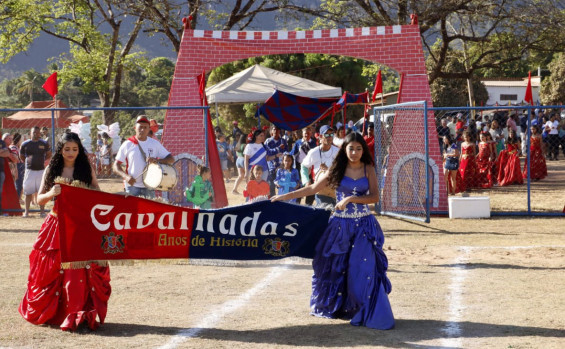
[276,247]
[112,243]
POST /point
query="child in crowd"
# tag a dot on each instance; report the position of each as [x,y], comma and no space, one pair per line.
[106,154]
[485,161]
[224,152]
[256,187]
[288,178]
[468,163]
[538,167]
[508,162]
[201,193]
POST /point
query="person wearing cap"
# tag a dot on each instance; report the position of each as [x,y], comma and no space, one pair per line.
[136,153]
[236,132]
[319,160]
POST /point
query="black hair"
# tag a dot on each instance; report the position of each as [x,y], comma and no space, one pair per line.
[16,138]
[513,140]
[255,134]
[337,171]
[242,140]
[82,170]
[202,169]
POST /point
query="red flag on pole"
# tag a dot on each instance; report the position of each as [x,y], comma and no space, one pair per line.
[529,98]
[50,85]
[378,86]
[220,196]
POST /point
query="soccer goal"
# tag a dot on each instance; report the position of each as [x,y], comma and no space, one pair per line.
[409,179]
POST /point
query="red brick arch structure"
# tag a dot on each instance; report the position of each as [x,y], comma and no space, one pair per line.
[399,47]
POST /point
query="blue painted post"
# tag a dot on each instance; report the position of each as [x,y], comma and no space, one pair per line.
[206,115]
[528,152]
[427,149]
[53,127]
[378,155]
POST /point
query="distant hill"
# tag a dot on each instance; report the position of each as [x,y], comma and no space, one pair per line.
[46,46]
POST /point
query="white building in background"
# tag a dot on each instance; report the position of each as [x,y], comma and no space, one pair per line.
[511,90]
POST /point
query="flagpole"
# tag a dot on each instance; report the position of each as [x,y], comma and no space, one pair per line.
[53,124]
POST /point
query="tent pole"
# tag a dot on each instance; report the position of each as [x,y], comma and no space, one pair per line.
[217,114]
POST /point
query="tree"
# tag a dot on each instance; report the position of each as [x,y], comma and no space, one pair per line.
[29,83]
[535,25]
[453,92]
[98,50]
[552,90]
[166,16]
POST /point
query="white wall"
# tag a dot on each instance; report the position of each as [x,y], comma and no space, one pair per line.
[494,93]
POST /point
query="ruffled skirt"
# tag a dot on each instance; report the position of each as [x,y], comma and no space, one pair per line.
[349,280]
[63,297]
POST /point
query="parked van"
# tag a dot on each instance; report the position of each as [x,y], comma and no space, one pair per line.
[386,119]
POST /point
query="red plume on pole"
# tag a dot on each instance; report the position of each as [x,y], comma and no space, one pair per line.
[50,85]
[529,97]
[378,86]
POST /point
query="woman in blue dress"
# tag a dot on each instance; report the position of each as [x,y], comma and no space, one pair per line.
[349,280]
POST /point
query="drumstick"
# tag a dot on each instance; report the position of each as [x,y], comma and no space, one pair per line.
[144,170]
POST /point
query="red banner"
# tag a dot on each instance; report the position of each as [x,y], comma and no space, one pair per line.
[94,225]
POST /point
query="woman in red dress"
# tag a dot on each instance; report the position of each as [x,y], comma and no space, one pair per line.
[508,162]
[485,162]
[538,168]
[468,163]
[57,296]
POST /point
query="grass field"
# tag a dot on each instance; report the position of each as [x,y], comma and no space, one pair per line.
[492,283]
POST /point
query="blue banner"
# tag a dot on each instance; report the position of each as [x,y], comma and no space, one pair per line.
[257,231]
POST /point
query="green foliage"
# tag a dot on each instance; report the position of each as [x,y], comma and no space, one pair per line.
[499,62]
[454,92]
[552,90]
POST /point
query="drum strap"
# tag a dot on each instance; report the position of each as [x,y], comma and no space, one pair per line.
[136,142]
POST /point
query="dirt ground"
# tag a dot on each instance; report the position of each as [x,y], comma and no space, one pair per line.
[492,283]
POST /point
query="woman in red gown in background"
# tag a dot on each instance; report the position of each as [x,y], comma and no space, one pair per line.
[508,162]
[485,161]
[468,162]
[538,168]
[56,296]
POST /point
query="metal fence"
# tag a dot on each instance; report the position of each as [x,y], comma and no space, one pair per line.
[403,154]
[48,119]
[508,154]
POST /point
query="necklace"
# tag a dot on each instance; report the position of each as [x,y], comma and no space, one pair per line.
[324,158]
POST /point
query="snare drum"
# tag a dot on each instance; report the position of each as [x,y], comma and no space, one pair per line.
[160,177]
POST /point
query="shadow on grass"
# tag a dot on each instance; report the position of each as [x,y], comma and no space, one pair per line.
[334,335]
[493,266]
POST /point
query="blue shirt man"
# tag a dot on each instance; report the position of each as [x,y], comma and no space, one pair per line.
[275,142]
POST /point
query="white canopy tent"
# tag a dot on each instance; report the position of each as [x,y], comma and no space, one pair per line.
[257,83]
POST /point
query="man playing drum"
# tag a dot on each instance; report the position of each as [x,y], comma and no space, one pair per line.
[136,153]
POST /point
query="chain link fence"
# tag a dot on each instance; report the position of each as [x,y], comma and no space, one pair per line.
[53,122]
